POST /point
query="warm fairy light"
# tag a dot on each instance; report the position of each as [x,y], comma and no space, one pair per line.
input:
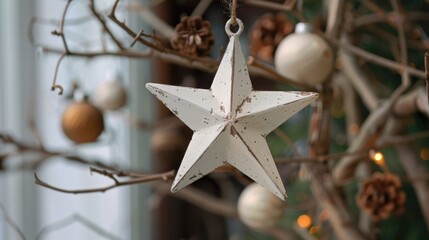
[377,157]
[424,154]
[304,221]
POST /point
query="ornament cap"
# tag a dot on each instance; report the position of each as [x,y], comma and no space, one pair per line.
[303,27]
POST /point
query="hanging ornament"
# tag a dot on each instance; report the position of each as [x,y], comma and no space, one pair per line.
[110,96]
[304,57]
[267,33]
[230,121]
[194,36]
[82,122]
[259,208]
[381,196]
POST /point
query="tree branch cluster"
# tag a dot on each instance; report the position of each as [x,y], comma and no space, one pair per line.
[372,133]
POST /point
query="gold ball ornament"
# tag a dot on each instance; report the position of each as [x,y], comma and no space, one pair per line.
[110,96]
[258,208]
[82,122]
[304,57]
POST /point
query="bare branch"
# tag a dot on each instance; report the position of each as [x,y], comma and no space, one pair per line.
[399,67]
[271,73]
[364,20]
[403,50]
[212,204]
[288,141]
[137,180]
[272,5]
[390,64]
[103,23]
[58,225]
[427,73]
[357,78]
[335,18]
[61,33]
[11,223]
[201,8]
[54,80]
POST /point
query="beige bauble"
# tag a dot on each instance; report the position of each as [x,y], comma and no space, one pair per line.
[258,208]
[304,57]
[110,96]
[82,122]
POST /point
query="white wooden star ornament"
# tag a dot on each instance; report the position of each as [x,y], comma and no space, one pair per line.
[230,121]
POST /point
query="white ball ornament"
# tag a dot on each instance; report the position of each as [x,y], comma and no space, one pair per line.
[304,57]
[258,208]
[110,96]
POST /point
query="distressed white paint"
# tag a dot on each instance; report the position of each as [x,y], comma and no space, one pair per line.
[230,122]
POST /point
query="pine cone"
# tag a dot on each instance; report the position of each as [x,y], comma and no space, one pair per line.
[381,196]
[194,36]
[267,33]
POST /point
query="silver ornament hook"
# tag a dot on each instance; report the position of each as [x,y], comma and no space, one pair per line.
[228,27]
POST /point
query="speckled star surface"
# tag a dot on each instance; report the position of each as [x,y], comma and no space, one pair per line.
[230,122]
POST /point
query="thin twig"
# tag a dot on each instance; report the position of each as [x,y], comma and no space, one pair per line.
[272,5]
[357,78]
[372,126]
[61,33]
[212,204]
[364,20]
[415,170]
[103,23]
[113,10]
[152,177]
[151,18]
[270,72]
[350,48]
[151,45]
[201,8]
[36,134]
[403,52]
[380,12]
[387,63]
[200,199]
[46,155]
[255,67]
[58,225]
[427,73]
[172,122]
[363,154]
[321,182]
[335,18]
[323,158]
[288,141]
[11,223]
[54,79]
[104,173]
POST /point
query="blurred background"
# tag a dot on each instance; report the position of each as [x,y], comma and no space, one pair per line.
[141,134]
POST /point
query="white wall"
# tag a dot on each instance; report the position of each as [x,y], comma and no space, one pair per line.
[25,79]
[18,194]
